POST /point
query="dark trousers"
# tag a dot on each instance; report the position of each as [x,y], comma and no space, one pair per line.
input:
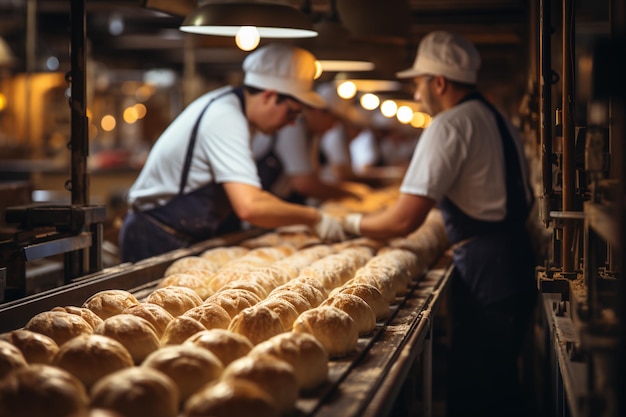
[483,378]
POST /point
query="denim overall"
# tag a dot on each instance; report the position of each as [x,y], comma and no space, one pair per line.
[186,218]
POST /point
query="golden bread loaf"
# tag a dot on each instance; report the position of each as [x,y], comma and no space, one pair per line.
[91,357]
[108,303]
[248,285]
[35,347]
[222,255]
[233,301]
[155,314]
[180,329]
[224,344]
[231,398]
[136,334]
[257,323]
[189,366]
[59,326]
[212,316]
[309,292]
[176,300]
[286,312]
[89,316]
[300,303]
[368,293]
[182,265]
[184,279]
[334,328]
[137,391]
[10,358]
[362,314]
[42,390]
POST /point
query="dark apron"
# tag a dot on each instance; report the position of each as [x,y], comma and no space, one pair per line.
[492,294]
[186,218]
[270,168]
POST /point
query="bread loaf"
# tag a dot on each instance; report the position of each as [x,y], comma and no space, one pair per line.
[232,398]
[35,347]
[155,314]
[222,255]
[136,334]
[176,300]
[137,391]
[300,303]
[253,287]
[334,329]
[180,329]
[187,280]
[59,326]
[108,303]
[368,293]
[212,316]
[91,357]
[233,301]
[224,344]
[189,366]
[89,316]
[256,324]
[190,262]
[10,358]
[362,314]
[309,292]
[286,312]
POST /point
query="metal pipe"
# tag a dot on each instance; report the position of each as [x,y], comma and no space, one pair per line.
[568,138]
[545,100]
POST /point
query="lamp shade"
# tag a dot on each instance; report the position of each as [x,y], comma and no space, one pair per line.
[225,18]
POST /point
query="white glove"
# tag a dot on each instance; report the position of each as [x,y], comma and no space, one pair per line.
[352,223]
[328,228]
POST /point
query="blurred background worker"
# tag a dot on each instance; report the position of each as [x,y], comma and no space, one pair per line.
[200,179]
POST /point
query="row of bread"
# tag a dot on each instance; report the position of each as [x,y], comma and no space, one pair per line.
[248,307]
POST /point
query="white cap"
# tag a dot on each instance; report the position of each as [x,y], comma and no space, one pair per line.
[446,54]
[335,104]
[286,69]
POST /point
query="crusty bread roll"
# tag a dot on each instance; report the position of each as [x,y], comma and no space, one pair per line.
[222,255]
[265,278]
[183,279]
[253,287]
[286,312]
[362,314]
[257,323]
[136,334]
[176,300]
[272,375]
[275,273]
[189,366]
[41,390]
[287,269]
[308,291]
[59,326]
[225,275]
[10,358]
[302,351]
[180,329]
[89,316]
[137,391]
[236,397]
[90,357]
[233,301]
[334,329]
[224,344]
[155,314]
[212,316]
[370,294]
[378,279]
[190,262]
[372,244]
[311,281]
[385,266]
[35,347]
[300,303]
[108,303]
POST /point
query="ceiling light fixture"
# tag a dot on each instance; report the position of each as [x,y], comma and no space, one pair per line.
[225,18]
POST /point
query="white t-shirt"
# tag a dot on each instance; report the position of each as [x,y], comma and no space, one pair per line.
[364,151]
[460,155]
[221,152]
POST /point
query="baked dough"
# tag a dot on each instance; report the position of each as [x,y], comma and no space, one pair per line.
[300,303]
[334,329]
[302,351]
[224,344]
[212,316]
[256,323]
[362,314]
[154,313]
[248,285]
[274,376]
[176,300]
[309,292]
[233,301]
[60,326]
[136,334]
[232,398]
[35,347]
[189,366]
[137,391]
[42,390]
[108,303]
[91,357]
[89,316]
[222,255]
[286,312]
[180,329]
[183,279]
[10,358]
[370,294]
[182,265]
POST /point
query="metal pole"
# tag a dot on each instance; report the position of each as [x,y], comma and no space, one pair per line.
[545,103]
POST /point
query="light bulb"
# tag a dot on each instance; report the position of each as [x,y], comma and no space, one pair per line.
[370,101]
[346,90]
[404,114]
[318,70]
[389,108]
[247,38]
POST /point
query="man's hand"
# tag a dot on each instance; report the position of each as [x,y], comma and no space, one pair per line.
[329,228]
[352,223]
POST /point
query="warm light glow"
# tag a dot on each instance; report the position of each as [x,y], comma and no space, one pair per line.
[3,102]
[247,38]
[107,123]
[404,114]
[144,92]
[318,70]
[369,101]
[388,108]
[346,90]
[418,120]
[130,115]
[141,110]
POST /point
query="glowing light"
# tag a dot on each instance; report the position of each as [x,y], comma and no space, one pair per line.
[346,90]
[388,108]
[141,110]
[404,114]
[418,120]
[3,102]
[107,123]
[369,101]
[247,38]
[130,115]
[318,70]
